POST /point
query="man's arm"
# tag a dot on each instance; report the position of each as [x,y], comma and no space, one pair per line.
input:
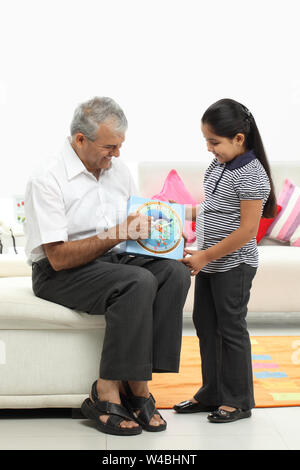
[67,255]
[71,254]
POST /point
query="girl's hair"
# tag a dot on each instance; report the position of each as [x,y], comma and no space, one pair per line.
[226,118]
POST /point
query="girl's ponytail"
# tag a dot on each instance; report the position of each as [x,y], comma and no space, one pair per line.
[255,143]
[227,118]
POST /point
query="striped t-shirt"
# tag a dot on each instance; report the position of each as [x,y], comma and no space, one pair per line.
[225,185]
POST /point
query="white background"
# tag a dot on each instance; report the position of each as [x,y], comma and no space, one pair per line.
[163,61]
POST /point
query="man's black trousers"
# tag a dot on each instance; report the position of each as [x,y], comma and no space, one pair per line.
[142,300]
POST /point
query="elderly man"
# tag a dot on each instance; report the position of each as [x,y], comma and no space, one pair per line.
[76,229]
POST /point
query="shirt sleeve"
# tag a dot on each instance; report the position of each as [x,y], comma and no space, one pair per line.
[127,179]
[252,183]
[45,213]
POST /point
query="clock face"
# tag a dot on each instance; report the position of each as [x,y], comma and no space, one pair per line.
[166,227]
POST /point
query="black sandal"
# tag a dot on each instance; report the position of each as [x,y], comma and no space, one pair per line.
[94,409]
[146,408]
[223,416]
[190,407]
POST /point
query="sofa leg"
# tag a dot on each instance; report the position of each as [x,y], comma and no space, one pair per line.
[76,414]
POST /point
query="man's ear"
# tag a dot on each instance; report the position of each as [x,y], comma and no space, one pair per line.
[79,139]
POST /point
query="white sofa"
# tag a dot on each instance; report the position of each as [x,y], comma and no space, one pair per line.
[50,355]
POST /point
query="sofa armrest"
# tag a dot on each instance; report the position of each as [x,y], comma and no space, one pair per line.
[12,265]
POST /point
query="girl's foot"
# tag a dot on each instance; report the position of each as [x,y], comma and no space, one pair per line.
[226,408]
[193,406]
[227,414]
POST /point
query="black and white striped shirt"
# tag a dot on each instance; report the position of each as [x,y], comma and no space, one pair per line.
[225,185]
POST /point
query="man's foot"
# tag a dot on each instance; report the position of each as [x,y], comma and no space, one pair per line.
[142,406]
[108,390]
[140,389]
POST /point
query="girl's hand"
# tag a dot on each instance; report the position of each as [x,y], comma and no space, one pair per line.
[185,237]
[183,234]
[195,262]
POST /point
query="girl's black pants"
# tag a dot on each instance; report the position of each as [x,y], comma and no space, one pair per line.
[219,316]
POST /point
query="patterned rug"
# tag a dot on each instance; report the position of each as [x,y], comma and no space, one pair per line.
[276,373]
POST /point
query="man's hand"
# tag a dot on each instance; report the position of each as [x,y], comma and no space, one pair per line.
[195,262]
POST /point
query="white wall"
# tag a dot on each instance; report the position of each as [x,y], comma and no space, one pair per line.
[164,61]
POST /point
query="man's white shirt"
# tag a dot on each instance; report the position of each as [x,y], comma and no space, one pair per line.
[65,202]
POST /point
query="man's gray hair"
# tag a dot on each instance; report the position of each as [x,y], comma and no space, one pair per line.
[89,115]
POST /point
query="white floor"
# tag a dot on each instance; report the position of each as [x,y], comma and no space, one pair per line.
[267,429]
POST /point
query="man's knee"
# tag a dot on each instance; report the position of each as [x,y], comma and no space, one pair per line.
[179,273]
[144,280]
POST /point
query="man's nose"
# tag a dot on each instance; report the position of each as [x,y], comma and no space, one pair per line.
[115,152]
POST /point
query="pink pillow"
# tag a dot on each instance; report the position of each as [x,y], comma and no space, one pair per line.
[175,190]
[285,227]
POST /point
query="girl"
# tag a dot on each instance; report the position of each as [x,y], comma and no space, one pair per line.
[238,191]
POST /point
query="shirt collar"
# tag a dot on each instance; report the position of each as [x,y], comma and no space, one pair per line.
[241,160]
[73,164]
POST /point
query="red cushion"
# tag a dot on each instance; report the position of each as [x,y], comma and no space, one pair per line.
[264,225]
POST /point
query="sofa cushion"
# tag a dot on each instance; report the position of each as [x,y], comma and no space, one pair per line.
[287,222]
[295,238]
[276,285]
[12,265]
[21,309]
[174,189]
[265,224]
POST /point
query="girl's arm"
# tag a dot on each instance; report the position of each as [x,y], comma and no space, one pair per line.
[191,212]
[250,218]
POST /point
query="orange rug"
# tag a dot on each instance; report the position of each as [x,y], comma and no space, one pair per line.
[276,373]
